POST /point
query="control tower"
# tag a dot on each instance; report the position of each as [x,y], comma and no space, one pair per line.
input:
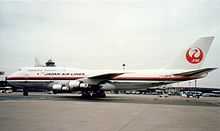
[50,63]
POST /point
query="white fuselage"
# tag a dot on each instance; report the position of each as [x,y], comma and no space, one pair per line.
[134,79]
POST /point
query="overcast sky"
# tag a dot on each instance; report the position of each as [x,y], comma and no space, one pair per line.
[96,34]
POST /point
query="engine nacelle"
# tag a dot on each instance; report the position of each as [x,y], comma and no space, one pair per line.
[84,85]
[78,84]
[65,88]
[60,88]
[74,84]
[57,87]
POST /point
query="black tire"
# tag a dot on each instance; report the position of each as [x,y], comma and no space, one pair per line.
[99,94]
[25,92]
[86,94]
[54,92]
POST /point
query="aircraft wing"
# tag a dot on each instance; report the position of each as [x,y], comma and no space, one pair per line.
[196,72]
[105,76]
[98,78]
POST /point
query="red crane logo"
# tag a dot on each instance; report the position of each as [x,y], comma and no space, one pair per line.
[194,55]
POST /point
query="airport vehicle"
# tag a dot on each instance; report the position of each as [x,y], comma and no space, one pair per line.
[96,82]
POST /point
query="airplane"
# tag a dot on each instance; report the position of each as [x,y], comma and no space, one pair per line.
[94,83]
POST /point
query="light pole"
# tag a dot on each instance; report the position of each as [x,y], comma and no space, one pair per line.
[123,66]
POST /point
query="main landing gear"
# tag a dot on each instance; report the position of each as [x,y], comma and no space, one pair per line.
[25,91]
[86,94]
[93,94]
[99,93]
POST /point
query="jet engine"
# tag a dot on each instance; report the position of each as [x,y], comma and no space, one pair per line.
[77,84]
[58,88]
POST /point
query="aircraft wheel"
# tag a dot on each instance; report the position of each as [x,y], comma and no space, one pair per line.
[54,92]
[86,94]
[99,93]
[25,91]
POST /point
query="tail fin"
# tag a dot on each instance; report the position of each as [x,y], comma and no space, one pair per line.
[194,56]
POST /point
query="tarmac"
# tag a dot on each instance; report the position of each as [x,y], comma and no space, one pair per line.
[69,112]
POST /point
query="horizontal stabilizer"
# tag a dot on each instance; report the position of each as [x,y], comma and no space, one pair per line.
[196,72]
